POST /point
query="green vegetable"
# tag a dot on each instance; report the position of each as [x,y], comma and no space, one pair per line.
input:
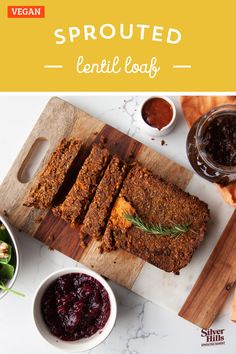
[6,271]
[4,288]
[172,232]
[7,263]
[3,234]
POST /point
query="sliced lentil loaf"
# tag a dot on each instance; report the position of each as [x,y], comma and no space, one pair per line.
[51,179]
[79,197]
[156,202]
[94,223]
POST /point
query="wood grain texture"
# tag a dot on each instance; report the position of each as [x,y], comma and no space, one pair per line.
[215,281]
[119,266]
[60,119]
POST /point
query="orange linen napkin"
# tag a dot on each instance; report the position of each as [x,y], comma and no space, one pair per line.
[194,107]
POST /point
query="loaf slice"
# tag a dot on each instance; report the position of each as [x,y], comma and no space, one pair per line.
[81,194]
[48,183]
[94,223]
[156,202]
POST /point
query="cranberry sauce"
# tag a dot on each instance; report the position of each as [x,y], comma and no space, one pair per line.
[220,140]
[75,306]
[211,145]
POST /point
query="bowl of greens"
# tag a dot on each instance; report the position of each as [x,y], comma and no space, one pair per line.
[9,258]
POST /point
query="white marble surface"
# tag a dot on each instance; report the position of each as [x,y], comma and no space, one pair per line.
[141,327]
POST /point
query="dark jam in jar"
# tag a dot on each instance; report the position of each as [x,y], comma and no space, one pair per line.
[75,306]
[220,140]
[157,112]
[211,145]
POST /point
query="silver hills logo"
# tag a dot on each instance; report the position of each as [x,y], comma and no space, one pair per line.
[212,337]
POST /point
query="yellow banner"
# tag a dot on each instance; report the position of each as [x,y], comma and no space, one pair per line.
[117,46]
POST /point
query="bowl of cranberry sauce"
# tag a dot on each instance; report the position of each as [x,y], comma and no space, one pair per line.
[74,309]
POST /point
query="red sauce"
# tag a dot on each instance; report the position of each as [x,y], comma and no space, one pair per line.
[75,306]
[157,112]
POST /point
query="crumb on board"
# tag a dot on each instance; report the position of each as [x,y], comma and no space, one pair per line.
[38,220]
[163,142]
[50,248]
[51,238]
[103,140]
[131,156]
[5,213]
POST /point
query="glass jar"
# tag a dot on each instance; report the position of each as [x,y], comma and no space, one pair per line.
[211,145]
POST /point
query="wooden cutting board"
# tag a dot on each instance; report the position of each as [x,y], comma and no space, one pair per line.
[209,293]
[61,119]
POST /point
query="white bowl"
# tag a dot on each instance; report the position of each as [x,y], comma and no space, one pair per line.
[152,131]
[16,250]
[81,344]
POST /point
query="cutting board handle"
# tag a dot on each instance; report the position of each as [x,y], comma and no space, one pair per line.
[33,160]
[45,136]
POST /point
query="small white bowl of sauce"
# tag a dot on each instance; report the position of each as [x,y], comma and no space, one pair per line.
[157,116]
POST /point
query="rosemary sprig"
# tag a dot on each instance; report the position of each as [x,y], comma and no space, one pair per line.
[173,232]
[4,288]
